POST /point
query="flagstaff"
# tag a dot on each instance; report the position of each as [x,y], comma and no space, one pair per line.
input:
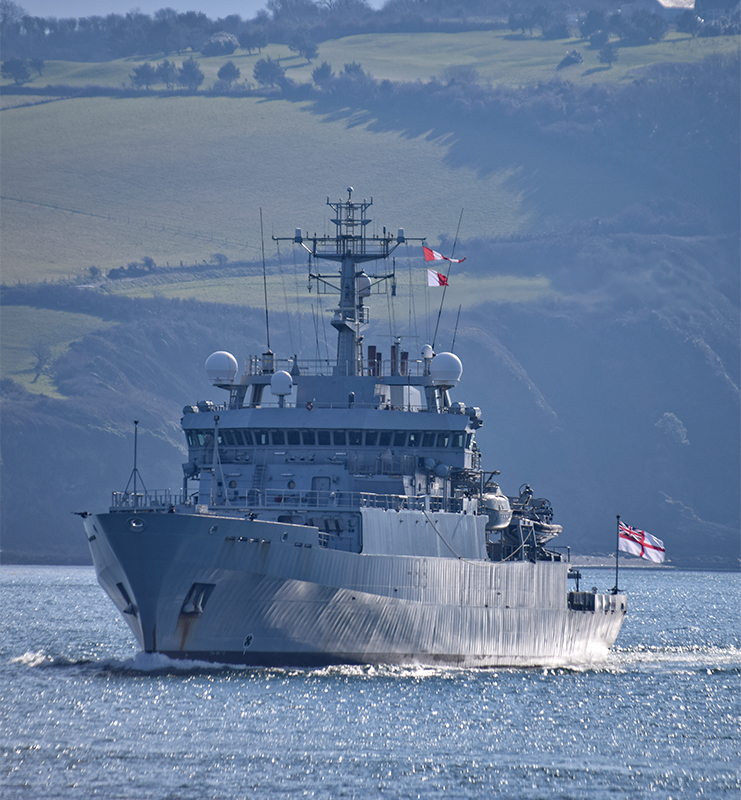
[617,552]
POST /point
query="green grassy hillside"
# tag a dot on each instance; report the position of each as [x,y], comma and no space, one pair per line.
[30,335]
[501,57]
[103,182]
[599,335]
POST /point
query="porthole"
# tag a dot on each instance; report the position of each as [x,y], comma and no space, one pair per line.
[232,484]
[291,484]
[136,524]
[212,530]
[247,641]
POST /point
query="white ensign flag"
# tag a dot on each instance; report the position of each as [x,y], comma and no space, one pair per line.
[640,543]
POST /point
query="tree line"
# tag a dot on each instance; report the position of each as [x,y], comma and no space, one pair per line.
[167,32]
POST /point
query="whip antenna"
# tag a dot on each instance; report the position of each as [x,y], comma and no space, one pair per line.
[447,274]
[264,281]
[455,332]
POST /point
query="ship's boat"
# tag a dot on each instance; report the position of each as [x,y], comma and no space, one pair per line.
[339,512]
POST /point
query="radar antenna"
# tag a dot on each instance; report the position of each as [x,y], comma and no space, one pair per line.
[350,246]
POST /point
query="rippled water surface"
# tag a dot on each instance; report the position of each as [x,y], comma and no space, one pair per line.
[83,715]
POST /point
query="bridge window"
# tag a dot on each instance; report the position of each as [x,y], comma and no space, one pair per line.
[457,440]
[339,438]
[415,439]
[400,438]
[293,437]
[355,438]
[309,437]
[225,437]
[384,439]
[247,436]
[323,438]
[429,439]
[205,438]
[278,437]
[370,438]
[261,437]
[443,439]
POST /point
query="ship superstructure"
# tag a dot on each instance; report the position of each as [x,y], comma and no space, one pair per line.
[340,512]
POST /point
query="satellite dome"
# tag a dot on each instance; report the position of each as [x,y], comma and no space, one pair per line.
[221,367]
[281,383]
[427,351]
[446,369]
[364,285]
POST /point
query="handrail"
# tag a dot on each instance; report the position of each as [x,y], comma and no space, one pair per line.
[157,499]
[387,367]
[256,500]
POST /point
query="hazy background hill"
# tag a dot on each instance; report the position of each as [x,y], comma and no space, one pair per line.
[599,299]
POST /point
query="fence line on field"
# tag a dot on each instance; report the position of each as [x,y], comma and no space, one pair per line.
[177,230]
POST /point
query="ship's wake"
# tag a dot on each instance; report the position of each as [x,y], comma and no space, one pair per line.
[710,659]
[693,658]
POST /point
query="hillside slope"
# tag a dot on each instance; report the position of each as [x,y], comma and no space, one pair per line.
[614,392]
[599,301]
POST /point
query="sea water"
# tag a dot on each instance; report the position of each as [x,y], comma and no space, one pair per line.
[83,714]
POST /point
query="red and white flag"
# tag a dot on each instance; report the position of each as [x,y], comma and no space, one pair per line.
[433,255]
[640,543]
[436,278]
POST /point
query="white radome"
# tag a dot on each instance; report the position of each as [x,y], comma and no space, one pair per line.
[221,367]
[281,383]
[446,369]
[364,285]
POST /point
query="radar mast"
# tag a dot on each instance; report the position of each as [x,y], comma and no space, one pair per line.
[350,246]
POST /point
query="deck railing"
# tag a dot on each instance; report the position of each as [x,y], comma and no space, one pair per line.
[160,499]
[269,499]
[374,366]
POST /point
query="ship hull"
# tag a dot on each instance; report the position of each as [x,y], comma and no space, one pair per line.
[253,592]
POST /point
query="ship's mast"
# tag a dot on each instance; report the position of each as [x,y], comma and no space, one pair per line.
[350,246]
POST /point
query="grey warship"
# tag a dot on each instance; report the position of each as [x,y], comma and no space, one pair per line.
[339,512]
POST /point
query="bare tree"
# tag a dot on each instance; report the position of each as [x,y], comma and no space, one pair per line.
[42,353]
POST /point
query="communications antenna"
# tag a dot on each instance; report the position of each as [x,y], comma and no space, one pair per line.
[350,246]
[135,471]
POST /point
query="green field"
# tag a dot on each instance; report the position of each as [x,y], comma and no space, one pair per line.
[287,290]
[26,332]
[104,182]
[501,57]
